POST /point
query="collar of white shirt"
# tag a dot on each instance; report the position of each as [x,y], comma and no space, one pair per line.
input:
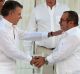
[7,23]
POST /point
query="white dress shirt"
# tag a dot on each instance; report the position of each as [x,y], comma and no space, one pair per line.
[66,56]
[43,19]
[9,51]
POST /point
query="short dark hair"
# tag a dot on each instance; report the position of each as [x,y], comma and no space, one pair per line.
[9,5]
[73,16]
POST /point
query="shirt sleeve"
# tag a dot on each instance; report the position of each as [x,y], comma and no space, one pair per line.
[9,49]
[64,50]
[32,36]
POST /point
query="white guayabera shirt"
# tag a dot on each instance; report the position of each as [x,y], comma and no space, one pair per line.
[66,56]
[9,50]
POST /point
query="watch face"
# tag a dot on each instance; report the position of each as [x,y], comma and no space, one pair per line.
[46,62]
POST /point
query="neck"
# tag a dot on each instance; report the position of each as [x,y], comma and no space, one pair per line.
[8,19]
[51,5]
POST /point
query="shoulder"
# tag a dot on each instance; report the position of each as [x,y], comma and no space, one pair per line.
[74,33]
[2,26]
[40,6]
[62,6]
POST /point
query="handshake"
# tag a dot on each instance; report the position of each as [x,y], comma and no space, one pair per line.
[38,61]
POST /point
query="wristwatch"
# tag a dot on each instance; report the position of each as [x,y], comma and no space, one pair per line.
[50,34]
[46,62]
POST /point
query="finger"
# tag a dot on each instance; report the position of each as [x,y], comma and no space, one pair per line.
[37,62]
[38,65]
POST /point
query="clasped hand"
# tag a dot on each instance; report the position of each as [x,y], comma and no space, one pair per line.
[38,61]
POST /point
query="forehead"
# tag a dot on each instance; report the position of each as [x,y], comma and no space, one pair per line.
[18,9]
[64,15]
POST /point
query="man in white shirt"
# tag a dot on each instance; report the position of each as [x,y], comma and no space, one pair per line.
[45,18]
[10,35]
[66,55]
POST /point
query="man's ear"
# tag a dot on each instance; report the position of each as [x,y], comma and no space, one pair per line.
[11,12]
[71,22]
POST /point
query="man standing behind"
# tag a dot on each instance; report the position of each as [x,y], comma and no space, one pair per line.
[45,18]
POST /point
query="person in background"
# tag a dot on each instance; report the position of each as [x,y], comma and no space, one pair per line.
[45,18]
[1,5]
[66,55]
[10,35]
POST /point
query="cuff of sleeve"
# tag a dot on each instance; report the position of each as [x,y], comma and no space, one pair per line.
[44,35]
[49,59]
[29,59]
[46,62]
